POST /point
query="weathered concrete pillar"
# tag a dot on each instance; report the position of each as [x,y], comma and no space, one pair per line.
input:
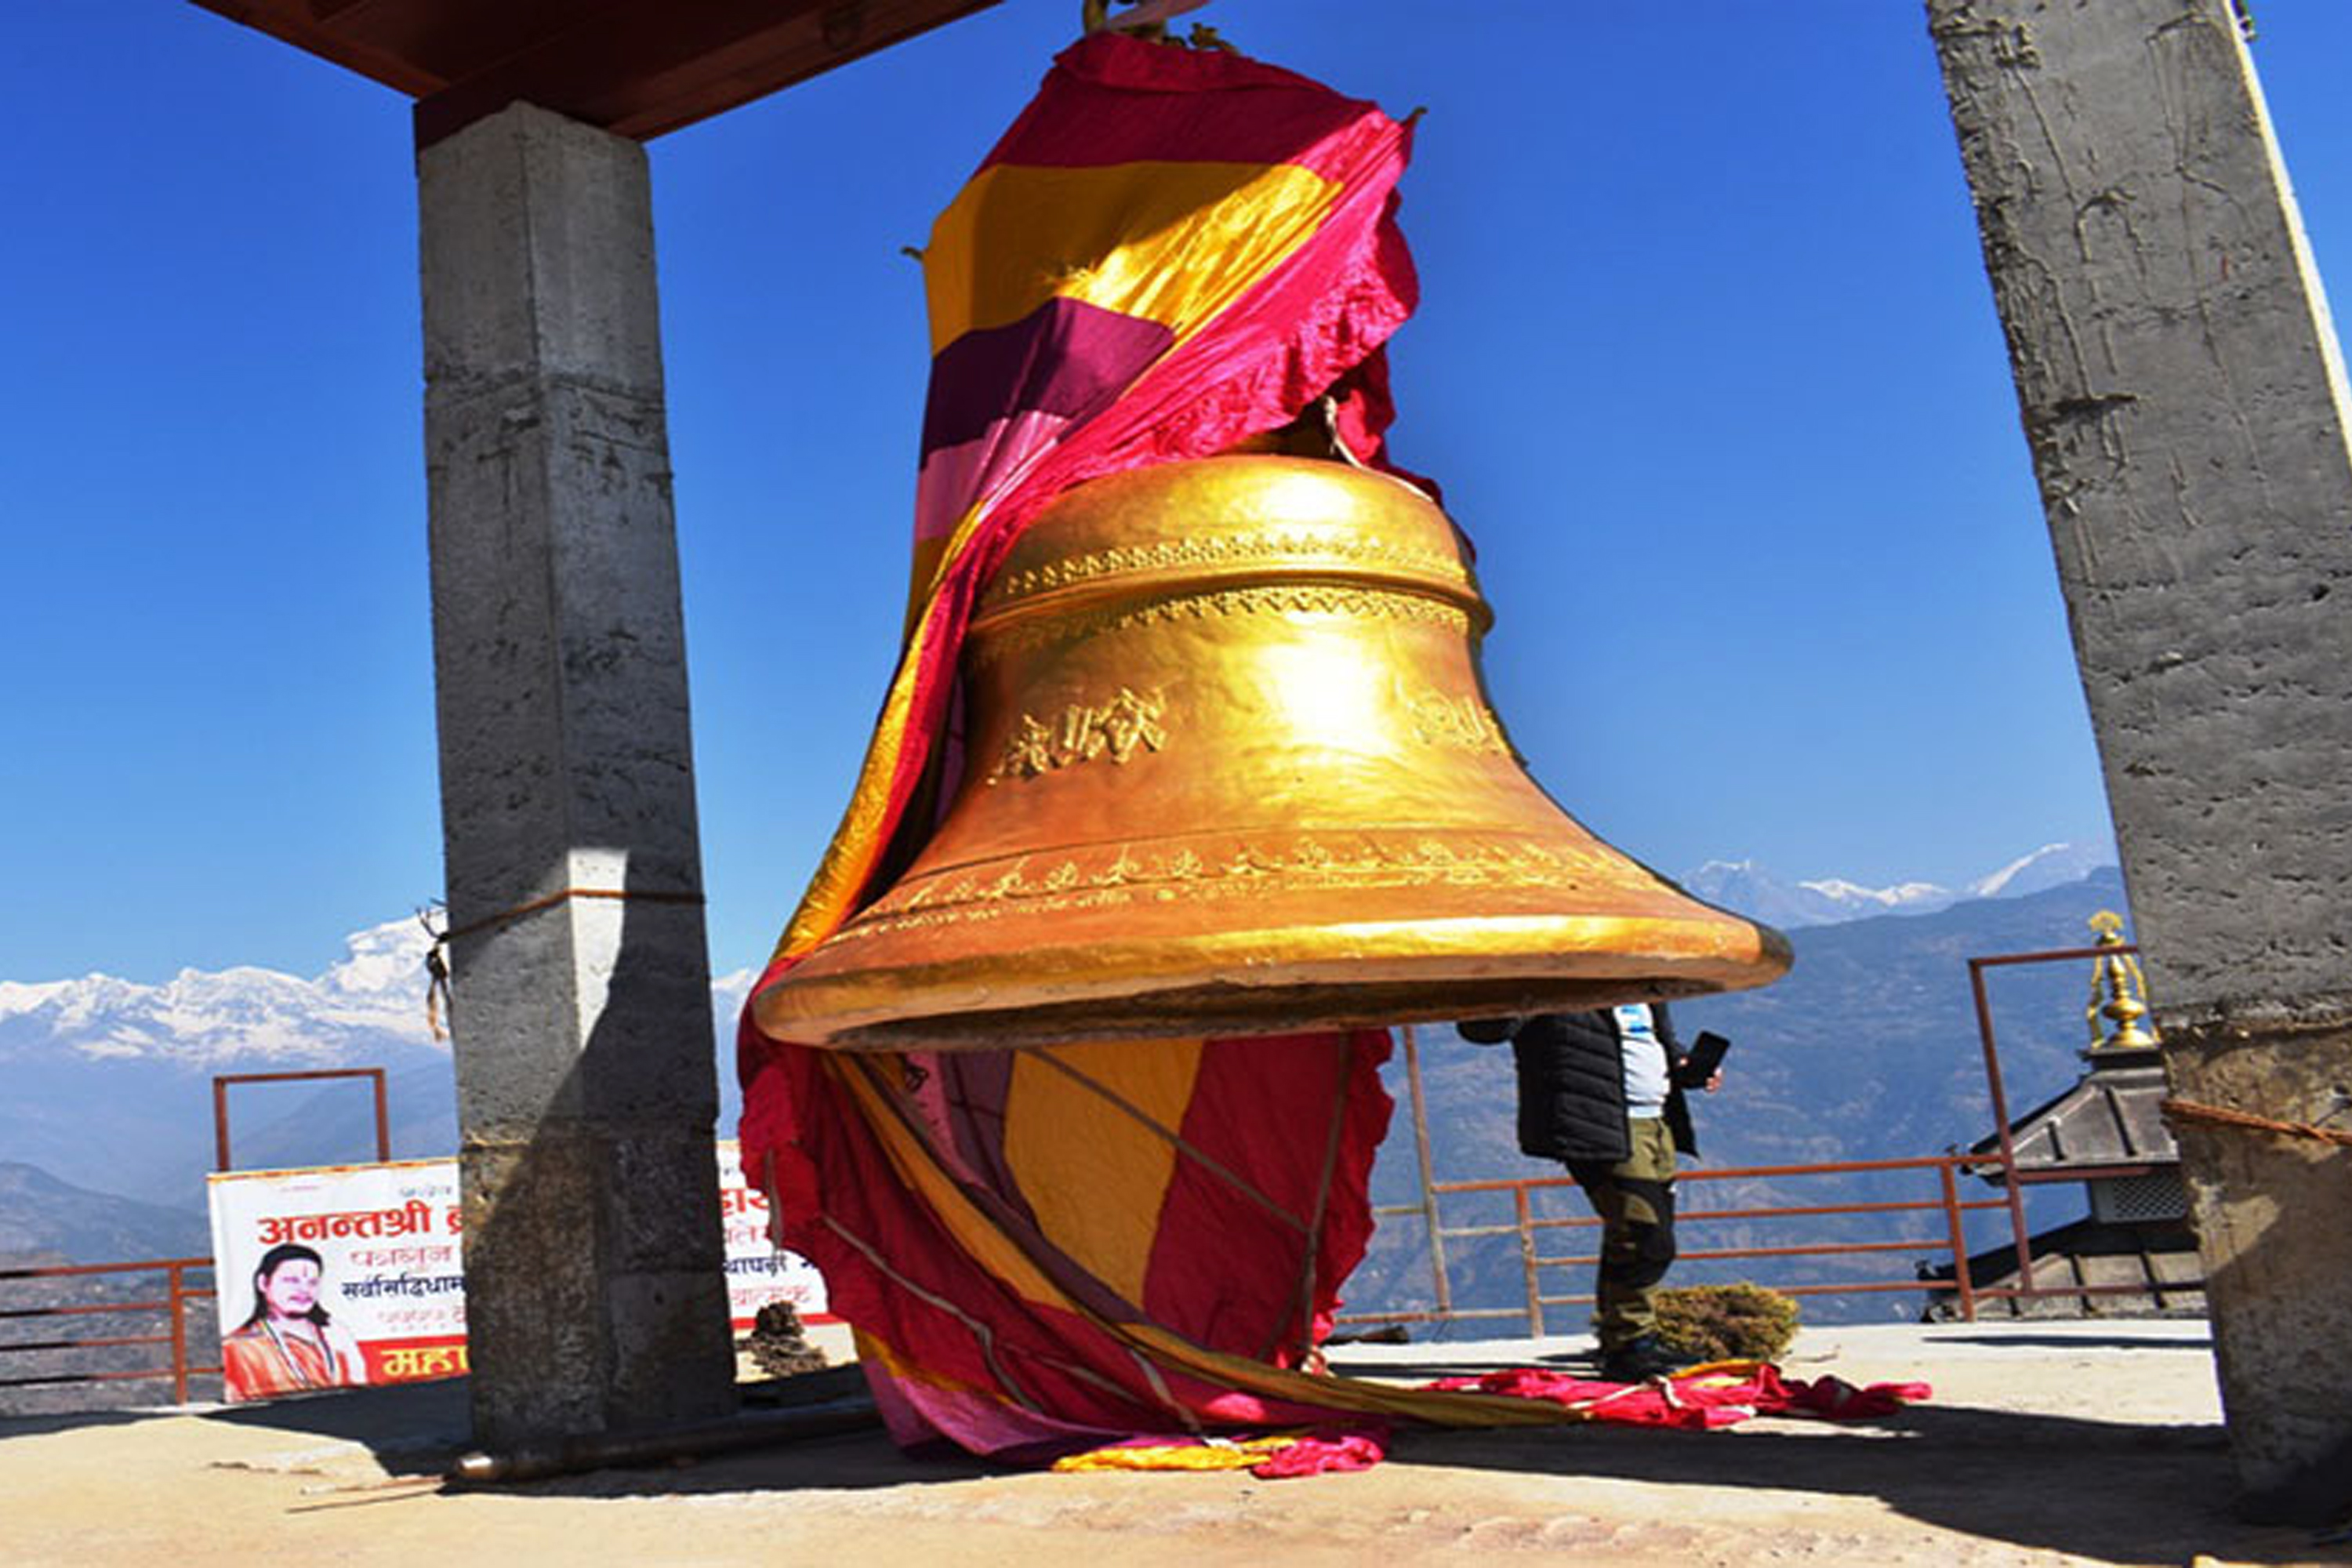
[586,1093]
[2184,398]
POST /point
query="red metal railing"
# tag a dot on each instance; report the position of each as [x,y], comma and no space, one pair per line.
[172,1305]
[1529,1227]
[1949,1240]
[2014,1183]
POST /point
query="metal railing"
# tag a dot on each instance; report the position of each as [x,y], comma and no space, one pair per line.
[1530,1228]
[1948,1241]
[173,1308]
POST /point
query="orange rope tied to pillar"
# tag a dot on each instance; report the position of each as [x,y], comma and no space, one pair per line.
[2189,1110]
[437,966]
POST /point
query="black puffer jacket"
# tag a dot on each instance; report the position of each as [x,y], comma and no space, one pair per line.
[1572,1083]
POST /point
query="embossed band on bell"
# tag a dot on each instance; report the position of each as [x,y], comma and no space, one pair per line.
[1230,769]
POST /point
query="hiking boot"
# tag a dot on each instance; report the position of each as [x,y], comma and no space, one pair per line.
[1639,1360]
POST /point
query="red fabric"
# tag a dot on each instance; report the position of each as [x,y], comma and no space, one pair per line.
[1735,1392]
[1115,100]
[1002,1372]
[1255,1134]
[1322,1454]
[1834,1399]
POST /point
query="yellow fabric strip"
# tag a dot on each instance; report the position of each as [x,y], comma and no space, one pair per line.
[850,855]
[1096,1176]
[1167,242]
[923,573]
[1235,1455]
[880,1352]
[975,1234]
[996,1252]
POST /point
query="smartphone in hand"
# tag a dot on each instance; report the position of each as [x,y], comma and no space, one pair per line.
[1705,1057]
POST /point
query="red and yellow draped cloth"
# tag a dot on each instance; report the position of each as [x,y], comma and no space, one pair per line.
[1040,1249]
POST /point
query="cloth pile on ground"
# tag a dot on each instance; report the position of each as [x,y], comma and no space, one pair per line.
[1703,1398]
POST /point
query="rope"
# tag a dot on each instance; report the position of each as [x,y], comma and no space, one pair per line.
[549,902]
[437,966]
[2220,1116]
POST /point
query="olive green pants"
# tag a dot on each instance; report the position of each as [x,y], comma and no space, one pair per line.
[1635,1201]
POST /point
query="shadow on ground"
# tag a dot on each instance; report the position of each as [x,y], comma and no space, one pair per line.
[2110,1491]
[2107,1491]
[2114,1342]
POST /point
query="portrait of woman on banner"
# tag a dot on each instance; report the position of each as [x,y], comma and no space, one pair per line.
[290,1343]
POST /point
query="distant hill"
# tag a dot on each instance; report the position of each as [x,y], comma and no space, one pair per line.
[45,1223]
[1868,1050]
[43,1218]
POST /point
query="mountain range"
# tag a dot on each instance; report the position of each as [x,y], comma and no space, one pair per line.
[1745,886]
[110,1080]
[110,1092]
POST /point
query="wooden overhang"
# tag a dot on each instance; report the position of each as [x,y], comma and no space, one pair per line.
[636,68]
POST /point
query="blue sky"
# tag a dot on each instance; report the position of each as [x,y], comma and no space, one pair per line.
[1706,362]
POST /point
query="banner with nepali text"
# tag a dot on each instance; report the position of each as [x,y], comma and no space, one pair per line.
[337,1275]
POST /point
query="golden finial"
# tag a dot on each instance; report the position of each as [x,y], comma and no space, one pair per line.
[2118,992]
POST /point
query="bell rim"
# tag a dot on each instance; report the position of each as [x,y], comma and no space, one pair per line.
[894,1004]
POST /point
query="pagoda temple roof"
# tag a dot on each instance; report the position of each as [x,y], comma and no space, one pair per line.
[2111,1117]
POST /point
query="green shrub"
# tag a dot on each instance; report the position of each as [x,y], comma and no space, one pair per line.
[1726,1322]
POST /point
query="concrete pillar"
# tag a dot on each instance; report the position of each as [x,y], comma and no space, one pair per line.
[2184,399]
[586,1091]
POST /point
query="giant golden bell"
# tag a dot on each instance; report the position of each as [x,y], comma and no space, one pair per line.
[1230,769]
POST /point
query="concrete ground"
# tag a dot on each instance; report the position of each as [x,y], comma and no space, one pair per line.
[2045,1443]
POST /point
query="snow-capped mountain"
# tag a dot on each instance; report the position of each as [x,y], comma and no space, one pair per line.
[1745,886]
[258,1018]
[1748,888]
[2051,865]
[110,1080]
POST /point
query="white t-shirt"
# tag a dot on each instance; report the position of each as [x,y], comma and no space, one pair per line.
[1647,1080]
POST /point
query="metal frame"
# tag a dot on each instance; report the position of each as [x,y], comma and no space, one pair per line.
[178,1292]
[1526,1224]
[2014,1180]
[220,1106]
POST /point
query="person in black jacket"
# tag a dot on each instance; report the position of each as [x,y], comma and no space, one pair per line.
[1603,1092]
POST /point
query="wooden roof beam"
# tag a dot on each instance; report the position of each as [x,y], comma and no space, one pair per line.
[635,67]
